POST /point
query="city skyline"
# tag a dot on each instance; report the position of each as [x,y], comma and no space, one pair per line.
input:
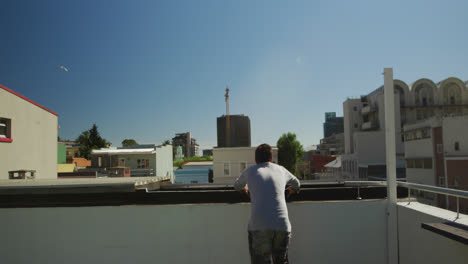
[150,70]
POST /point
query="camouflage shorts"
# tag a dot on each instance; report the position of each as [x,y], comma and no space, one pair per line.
[268,245]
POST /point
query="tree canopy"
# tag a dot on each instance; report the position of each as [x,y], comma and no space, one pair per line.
[166,142]
[89,140]
[129,142]
[289,151]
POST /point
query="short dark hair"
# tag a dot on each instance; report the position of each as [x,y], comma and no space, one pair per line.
[263,153]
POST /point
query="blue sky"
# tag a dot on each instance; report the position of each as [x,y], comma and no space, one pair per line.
[149,69]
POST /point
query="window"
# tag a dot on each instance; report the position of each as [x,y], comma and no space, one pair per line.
[457,146]
[452,100]
[409,163]
[426,133]
[226,169]
[5,130]
[439,148]
[243,166]
[142,163]
[428,163]
[122,163]
[355,125]
[418,163]
[355,108]
[424,101]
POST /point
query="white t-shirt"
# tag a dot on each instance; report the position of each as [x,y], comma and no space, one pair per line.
[267,183]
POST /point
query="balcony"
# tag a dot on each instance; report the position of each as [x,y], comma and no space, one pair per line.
[370,125]
[368,109]
[330,225]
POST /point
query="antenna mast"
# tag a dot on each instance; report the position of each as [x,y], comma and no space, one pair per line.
[228,138]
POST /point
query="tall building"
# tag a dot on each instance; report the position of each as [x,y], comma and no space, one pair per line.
[239,131]
[189,145]
[364,121]
[332,125]
[436,153]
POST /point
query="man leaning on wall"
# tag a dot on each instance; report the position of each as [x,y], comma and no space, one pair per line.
[269,227]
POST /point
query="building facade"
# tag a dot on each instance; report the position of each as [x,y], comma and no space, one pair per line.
[28,136]
[332,125]
[436,153]
[238,134]
[229,163]
[189,145]
[364,122]
[143,160]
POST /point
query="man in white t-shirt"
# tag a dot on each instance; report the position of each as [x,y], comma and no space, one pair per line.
[269,226]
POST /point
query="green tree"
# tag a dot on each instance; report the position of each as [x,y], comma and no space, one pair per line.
[166,142]
[290,151]
[89,140]
[129,143]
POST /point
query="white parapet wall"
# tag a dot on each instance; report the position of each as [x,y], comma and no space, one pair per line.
[325,232]
[418,245]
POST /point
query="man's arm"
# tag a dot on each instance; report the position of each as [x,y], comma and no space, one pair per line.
[292,182]
[241,183]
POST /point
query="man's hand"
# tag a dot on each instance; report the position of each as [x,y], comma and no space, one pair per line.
[291,191]
[245,191]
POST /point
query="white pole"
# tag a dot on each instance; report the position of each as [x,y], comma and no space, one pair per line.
[392,228]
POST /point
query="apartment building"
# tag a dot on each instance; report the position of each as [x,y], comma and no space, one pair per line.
[436,153]
[189,145]
[364,121]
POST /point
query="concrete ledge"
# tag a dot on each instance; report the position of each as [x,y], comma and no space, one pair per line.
[450,230]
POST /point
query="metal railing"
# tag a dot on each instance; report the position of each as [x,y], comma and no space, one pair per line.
[414,186]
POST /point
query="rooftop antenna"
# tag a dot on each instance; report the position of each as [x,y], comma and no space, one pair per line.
[226,96]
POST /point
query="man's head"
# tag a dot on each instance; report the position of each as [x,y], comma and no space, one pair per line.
[263,154]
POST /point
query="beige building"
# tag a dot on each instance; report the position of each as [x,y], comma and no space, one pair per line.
[436,153]
[364,122]
[28,136]
[229,163]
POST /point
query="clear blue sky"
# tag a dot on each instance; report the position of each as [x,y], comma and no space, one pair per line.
[149,69]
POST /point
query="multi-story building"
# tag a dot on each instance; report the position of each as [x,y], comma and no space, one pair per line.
[143,160]
[332,145]
[28,138]
[189,145]
[364,121]
[436,153]
[238,133]
[332,125]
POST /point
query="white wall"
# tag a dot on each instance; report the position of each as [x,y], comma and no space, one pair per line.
[164,161]
[455,129]
[34,134]
[418,245]
[323,232]
[370,146]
